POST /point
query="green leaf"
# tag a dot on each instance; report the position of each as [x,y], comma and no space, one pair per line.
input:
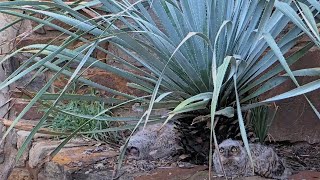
[242,126]
[221,73]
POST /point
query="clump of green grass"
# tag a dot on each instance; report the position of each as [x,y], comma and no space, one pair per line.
[261,120]
[68,123]
[63,122]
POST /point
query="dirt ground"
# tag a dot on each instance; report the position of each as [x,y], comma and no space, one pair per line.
[302,158]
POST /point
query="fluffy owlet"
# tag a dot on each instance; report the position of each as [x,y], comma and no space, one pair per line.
[236,162]
[151,144]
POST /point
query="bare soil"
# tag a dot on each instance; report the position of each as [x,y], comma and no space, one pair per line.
[300,156]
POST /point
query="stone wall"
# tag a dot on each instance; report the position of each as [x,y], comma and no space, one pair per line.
[7,44]
[295,119]
[79,154]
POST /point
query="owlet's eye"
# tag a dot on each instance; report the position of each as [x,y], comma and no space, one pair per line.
[234,149]
[221,150]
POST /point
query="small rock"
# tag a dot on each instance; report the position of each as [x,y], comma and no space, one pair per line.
[39,152]
[21,137]
[30,84]
[174,164]
[99,166]
[20,174]
[185,165]
[75,164]
[89,171]
[95,150]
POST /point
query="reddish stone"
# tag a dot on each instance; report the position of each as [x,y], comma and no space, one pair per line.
[19,104]
[295,120]
[41,39]
[98,54]
[77,157]
[119,53]
[20,174]
[74,155]
[172,173]
[46,28]
[109,80]
[305,175]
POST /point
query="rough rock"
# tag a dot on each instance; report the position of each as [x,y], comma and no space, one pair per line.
[109,79]
[95,175]
[85,156]
[2,153]
[119,53]
[9,153]
[41,149]
[295,120]
[19,104]
[78,163]
[35,38]
[21,137]
[52,171]
[30,84]
[20,174]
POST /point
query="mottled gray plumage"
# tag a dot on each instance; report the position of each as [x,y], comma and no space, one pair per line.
[236,161]
[151,144]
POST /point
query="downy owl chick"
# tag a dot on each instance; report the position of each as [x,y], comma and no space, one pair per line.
[151,144]
[236,162]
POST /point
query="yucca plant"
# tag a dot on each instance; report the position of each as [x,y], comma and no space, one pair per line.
[204,57]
